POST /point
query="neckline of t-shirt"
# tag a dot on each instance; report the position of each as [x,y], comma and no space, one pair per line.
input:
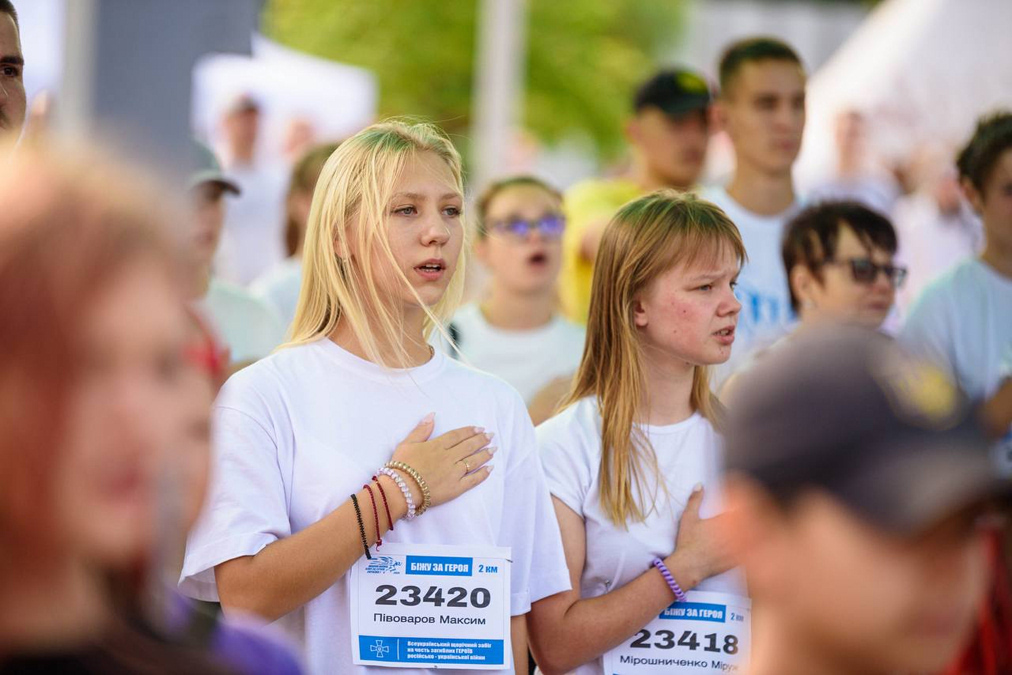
[677,427]
[991,272]
[776,218]
[477,315]
[367,369]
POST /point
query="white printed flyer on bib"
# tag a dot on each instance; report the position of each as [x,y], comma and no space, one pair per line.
[710,633]
[419,606]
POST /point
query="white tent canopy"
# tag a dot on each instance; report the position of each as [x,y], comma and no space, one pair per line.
[921,70]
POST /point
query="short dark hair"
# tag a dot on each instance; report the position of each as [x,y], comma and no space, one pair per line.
[751,50]
[992,137]
[7,7]
[493,189]
[811,236]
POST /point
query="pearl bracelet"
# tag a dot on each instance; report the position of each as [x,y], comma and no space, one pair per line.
[417,477]
[396,478]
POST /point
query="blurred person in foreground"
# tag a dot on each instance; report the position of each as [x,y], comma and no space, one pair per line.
[515,331]
[252,242]
[964,319]
[12,67]
[93,338]
[857,177]
[840,268]
[761,106]
[857,479]
[668,134]
[279,286]
[249,328]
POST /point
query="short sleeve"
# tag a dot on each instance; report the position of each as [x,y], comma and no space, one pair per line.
[247,503]
[928,331]
[539,567]
[564,458]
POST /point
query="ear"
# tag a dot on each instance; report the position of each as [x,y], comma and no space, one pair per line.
[754,528]
[640,318]
[804,284]
[632,130]
[972,195]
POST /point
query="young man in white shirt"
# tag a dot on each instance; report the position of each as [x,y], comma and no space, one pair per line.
[248,327]
[964,318]
[762,107]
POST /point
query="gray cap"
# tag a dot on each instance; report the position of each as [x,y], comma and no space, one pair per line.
[208,170]
[846,410]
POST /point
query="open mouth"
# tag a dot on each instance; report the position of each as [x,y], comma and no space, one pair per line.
[537,259]
[431,269]
[725,335]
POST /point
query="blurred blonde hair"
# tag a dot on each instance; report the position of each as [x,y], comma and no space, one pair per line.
[646,238]
[350,213]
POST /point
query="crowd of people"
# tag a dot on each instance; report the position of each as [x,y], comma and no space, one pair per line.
[684,428]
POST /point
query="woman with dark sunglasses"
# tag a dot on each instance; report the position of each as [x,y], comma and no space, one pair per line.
[839,261]
[515,330]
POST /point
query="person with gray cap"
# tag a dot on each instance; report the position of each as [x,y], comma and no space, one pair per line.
[668,135]
[857,481]
[248,327]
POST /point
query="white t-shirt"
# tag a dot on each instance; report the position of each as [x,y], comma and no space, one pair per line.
[249,328]
[688,453]
[964,321]
[300,431]
[279,287]
[766,312]
[527,359]
[252,240]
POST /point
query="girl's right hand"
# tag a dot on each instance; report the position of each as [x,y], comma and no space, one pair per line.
[700,545]
[450,464]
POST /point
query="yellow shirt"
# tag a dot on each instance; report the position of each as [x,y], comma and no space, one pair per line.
[588,203]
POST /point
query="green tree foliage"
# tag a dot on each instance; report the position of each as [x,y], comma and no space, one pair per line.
[584,57]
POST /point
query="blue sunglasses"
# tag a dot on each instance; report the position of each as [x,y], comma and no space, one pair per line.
[550,226]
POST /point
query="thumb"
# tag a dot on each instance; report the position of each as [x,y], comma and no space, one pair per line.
[695,501]
[421,433]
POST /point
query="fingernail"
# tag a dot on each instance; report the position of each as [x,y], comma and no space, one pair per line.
[698,487]
[490,435]
[428,418]
[492,450]
[478,430]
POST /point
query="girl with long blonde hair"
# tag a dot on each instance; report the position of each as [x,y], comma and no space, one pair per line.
[321,457]
[629,456]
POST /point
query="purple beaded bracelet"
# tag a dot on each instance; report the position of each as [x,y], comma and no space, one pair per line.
[672,584]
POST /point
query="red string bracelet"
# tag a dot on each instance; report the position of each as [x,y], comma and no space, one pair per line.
[386,504]
[375,515]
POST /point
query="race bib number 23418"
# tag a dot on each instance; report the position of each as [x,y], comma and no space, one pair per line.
[708,634]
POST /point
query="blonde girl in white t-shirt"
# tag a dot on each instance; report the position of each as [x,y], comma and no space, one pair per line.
[300,434]
[628,458]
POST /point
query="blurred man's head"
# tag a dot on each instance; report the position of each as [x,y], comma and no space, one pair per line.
[669,130]
[985,169]
[242,128]
[207,187]
[839,262]
[12,66]
[856,480]
[762,103]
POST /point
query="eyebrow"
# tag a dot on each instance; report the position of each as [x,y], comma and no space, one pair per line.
[12,61]
[421,198]
[714,274]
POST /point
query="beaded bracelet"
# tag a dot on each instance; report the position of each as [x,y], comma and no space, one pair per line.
[672,584]
[361,527]
[417,477]
[396,478]
[375,515]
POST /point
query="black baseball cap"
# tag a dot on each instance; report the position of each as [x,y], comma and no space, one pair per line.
[845,410]
[675,91]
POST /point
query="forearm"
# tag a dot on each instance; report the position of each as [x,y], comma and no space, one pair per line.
[590,627]
[292,571]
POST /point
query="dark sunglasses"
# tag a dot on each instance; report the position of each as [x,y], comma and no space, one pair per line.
[550,226]
[865,271]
